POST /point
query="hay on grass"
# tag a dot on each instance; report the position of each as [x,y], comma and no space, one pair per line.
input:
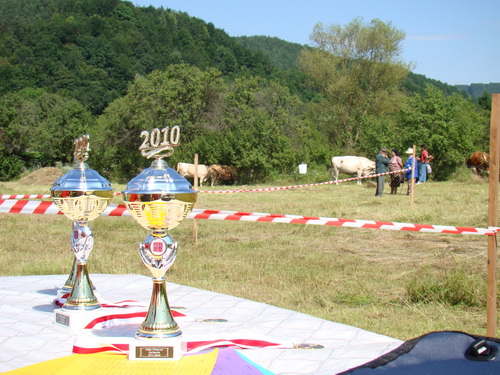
[42,176]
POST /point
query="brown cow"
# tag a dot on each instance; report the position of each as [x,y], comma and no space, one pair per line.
[224,173]
[479,162]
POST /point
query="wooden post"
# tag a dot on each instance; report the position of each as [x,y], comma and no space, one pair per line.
[414,165]
[491,304]
[195,186]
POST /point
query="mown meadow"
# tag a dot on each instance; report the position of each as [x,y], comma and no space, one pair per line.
[396,283]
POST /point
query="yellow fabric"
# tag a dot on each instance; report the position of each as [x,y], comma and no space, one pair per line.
[111,364]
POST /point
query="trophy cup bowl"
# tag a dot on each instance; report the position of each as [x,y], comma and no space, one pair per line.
[159,199]
[82,195]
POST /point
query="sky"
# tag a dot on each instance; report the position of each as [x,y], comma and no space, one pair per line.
[453,41]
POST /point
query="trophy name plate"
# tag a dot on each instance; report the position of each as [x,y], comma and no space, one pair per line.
[61,319]
[78,320]
[163,349]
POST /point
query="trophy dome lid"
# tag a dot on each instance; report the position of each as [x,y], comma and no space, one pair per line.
[158,179]
[81,178]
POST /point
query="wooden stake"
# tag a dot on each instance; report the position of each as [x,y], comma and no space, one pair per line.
[414,165]
[491,305]
[195,185]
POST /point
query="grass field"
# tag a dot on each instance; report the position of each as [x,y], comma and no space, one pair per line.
[401,284]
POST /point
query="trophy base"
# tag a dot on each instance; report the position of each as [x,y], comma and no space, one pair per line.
[156,334]
[79,305]
[77,320]
[156,350]
[67,289]
[63,293]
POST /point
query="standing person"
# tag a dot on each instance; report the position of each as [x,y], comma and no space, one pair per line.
[410,163]
[422,167]
[381,163]
[395,164]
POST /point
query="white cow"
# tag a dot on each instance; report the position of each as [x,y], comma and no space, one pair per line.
[187,170]
[351,165]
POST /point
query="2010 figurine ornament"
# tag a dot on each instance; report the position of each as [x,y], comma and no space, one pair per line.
[82,195]
[159,199]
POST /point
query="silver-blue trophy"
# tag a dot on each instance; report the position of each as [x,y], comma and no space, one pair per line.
[82,195]
[159,199]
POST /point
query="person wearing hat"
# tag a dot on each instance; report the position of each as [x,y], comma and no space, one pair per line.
[381,164]
[410,163]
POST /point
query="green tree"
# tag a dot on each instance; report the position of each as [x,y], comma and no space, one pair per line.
[484,101]
[38,129]
[259,125]
[450,126]
[249,123]
[379,131]
[181,95]
[357,68]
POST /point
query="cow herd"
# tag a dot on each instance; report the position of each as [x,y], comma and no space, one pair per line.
[361,166]
[479,162]
[214,173]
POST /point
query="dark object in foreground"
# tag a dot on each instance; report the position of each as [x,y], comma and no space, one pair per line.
[447,352]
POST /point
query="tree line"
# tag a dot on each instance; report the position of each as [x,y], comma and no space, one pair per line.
[110,69]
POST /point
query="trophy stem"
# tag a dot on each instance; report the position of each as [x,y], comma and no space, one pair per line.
[68,285]
[82,296]
[159,323]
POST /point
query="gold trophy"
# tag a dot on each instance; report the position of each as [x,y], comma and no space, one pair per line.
[82,195]
[158,199]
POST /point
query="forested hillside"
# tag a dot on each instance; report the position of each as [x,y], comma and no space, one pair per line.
[111,69]
[91,49]
[283,54]
[476,90]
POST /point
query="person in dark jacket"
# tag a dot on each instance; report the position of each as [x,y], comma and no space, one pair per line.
[381,164]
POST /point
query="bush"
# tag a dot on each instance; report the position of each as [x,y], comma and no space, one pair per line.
[10,167]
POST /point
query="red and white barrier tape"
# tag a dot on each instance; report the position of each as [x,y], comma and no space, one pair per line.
[28,207]
[45,207]
[371,224]
[39,196]
[14,206]
[301,186]
[26,196]
[45,196]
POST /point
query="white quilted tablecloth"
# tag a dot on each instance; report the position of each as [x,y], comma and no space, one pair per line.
[28,336]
